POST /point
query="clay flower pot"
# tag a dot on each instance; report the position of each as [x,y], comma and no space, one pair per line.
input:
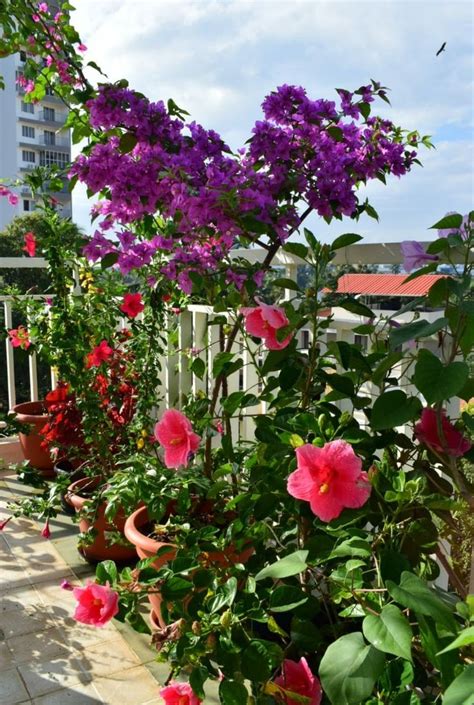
[148,547]
[32,413]
[100,549]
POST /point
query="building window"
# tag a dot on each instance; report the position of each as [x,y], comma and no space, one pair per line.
[48,158]
[49,114]
[361,340]
[49,137]
[26,204]
[23,56]
[28,156]
[49,91]
[27,107]
[27,131]
[305,339]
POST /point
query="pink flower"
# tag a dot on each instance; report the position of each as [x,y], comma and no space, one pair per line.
[414,255]
[100,354]
[66,585]
[97,604]
[297,678]
[19,338]
[329,478]
[46,533]
[12,197]
[82,47]
[175,433]
[42,7]
[179,694]
[5,522]
[30,244]
[447,440]
[263,321]
[132,305]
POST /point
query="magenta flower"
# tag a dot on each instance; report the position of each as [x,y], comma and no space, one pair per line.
[100,354]
[414,255]
[449,441]
[132,305]
[297,678]
[46,532]
[30,244]
[5,522]
[179,694]
[66,585]
[263,321]
[175,433]
[329,478]
[12,197]
[96,604]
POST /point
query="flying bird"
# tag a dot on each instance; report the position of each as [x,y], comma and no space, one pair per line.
[442,48]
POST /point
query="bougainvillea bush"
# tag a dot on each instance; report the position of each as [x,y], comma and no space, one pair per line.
[305,557]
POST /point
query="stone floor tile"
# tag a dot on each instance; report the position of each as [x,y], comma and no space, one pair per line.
[109,657]
[131,687]
[35,648]
[6,658]
[75,695]
[30,619]
[19,599]
[47,677]
[12,689]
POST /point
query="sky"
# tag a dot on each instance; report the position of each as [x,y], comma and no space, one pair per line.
[219,58]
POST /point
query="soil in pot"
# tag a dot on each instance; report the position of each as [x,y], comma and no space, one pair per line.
[100,549]
[140,531]
[33,414]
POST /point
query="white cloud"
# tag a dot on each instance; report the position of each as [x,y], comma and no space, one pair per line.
[218,58]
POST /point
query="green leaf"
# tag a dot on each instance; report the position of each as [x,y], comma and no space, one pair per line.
[336,133]
[436,381]
[414,593]
[106,571]
[349,669]
[460,691]
[290,565]
[415,330]
[452,221]
[232,692]
[465,638]
[296,248]
[389,632]
[392,409]
[197,678]
[352,547]
[287,597]
[356,307]
[175,588]
[284,283]
[220,361]
[198,367]
[127,142]
[345,240]
[109,260]
[259,660]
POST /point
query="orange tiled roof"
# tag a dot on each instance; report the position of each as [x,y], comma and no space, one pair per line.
[386,284]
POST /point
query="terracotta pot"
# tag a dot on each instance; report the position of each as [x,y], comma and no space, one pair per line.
[147,548]
[99,549]
[33,414]
[65,467]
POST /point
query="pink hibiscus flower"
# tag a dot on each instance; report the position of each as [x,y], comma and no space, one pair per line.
[30,244]
[450,441]
[297,678]
[132,305]
[263,321]
[179,694]
[96,604]
[100,354]
[19,338]
[175,433]
[329,478]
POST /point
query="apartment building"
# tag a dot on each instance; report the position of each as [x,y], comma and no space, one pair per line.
[31,135]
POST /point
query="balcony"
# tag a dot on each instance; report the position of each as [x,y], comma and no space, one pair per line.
[57,118]
[58,142]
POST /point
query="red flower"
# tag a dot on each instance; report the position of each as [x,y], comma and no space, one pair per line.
[100,354]
[329,478]
[46,532]
[179,694]
[175,433]
[30,244]
[447,439]
[297,678]
[5,522]
[19,338]
[97,604]
[132,305]
[263,321]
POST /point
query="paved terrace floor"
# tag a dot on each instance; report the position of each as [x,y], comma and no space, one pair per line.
[46,658]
